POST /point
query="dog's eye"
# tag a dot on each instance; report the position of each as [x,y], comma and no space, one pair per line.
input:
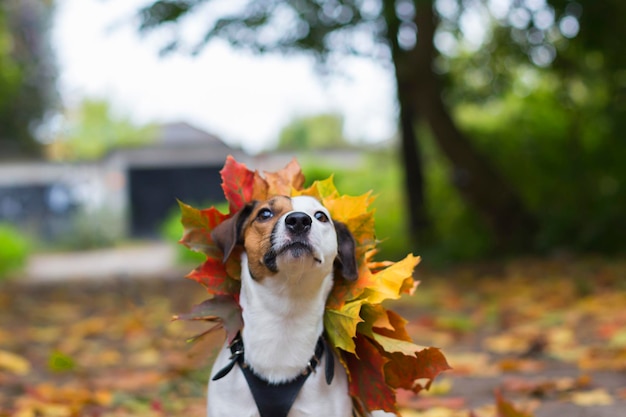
[321,216]
[264,214]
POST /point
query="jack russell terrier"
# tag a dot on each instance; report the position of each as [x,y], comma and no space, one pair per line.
[293,251]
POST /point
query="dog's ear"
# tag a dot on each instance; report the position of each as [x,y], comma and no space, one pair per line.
[345,262]
[228,234]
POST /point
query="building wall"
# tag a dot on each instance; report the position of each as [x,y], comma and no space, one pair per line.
[129,193]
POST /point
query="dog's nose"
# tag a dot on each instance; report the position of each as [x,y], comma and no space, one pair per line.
[298,222]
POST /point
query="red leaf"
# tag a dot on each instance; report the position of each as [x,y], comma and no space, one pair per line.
[212,274]
[404,371]
[367,380]
[239,184]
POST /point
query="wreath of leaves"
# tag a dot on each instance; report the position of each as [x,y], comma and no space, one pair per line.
[370,340]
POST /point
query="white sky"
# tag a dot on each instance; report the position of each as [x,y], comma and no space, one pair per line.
[244,99]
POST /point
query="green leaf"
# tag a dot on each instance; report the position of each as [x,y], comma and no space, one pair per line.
[341,324]
[197,227]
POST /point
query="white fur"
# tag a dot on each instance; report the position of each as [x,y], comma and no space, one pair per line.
[283,319]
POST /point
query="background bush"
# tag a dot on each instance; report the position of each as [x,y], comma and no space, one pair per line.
[14,250]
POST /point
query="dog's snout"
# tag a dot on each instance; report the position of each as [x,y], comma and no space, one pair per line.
[298,223]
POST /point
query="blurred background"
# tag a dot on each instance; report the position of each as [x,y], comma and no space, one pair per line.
[492,132]
[487,128]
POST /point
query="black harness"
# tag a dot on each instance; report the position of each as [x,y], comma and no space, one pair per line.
[275,400]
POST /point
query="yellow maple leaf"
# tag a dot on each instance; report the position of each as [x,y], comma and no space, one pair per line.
[391,282]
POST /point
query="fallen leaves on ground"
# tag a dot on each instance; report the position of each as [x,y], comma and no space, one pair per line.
[88,349]
[525,337]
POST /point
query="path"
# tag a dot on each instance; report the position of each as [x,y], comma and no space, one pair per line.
[141,261]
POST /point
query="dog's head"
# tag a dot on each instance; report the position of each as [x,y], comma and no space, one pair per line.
[284,231]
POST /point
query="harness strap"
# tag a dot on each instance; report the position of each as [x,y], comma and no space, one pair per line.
[275,400]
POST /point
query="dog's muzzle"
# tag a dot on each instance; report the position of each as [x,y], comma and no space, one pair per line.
[297,227]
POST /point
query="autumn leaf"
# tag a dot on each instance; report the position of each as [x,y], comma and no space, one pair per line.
[341,324]
[321,190]
[345,208]
[406,371]
[367,382]
[374,316]
[223,309]
[345,291]
[14,363]
[391,281]
[396,327]
[197,227]
[212,274]
[598,396]
[506,409]
[239,184]
[284,181]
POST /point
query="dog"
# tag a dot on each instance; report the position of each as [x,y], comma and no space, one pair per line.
[280,364]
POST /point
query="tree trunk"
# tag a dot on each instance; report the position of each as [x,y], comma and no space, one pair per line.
[420,93]
[477,181]
[413,174]
[410,155]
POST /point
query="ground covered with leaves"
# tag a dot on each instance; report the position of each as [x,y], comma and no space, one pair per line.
[525,337]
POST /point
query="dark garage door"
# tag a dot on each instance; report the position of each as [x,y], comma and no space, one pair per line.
[153,193]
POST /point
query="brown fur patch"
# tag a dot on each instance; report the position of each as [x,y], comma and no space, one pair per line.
[257,234]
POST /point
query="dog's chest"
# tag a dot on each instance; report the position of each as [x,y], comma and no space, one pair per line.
[231,396]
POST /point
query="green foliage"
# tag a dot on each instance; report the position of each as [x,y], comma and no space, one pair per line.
[457,231]
[93,129]
[322,131]
[14,250]
[252,25]
[543,104]
[91,229]
[555,131]
[556,144]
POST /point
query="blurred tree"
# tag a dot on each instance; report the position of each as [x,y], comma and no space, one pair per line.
[27,74]
[322,131]
[93,129]
[380,30]
[447,53]
[549,108]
